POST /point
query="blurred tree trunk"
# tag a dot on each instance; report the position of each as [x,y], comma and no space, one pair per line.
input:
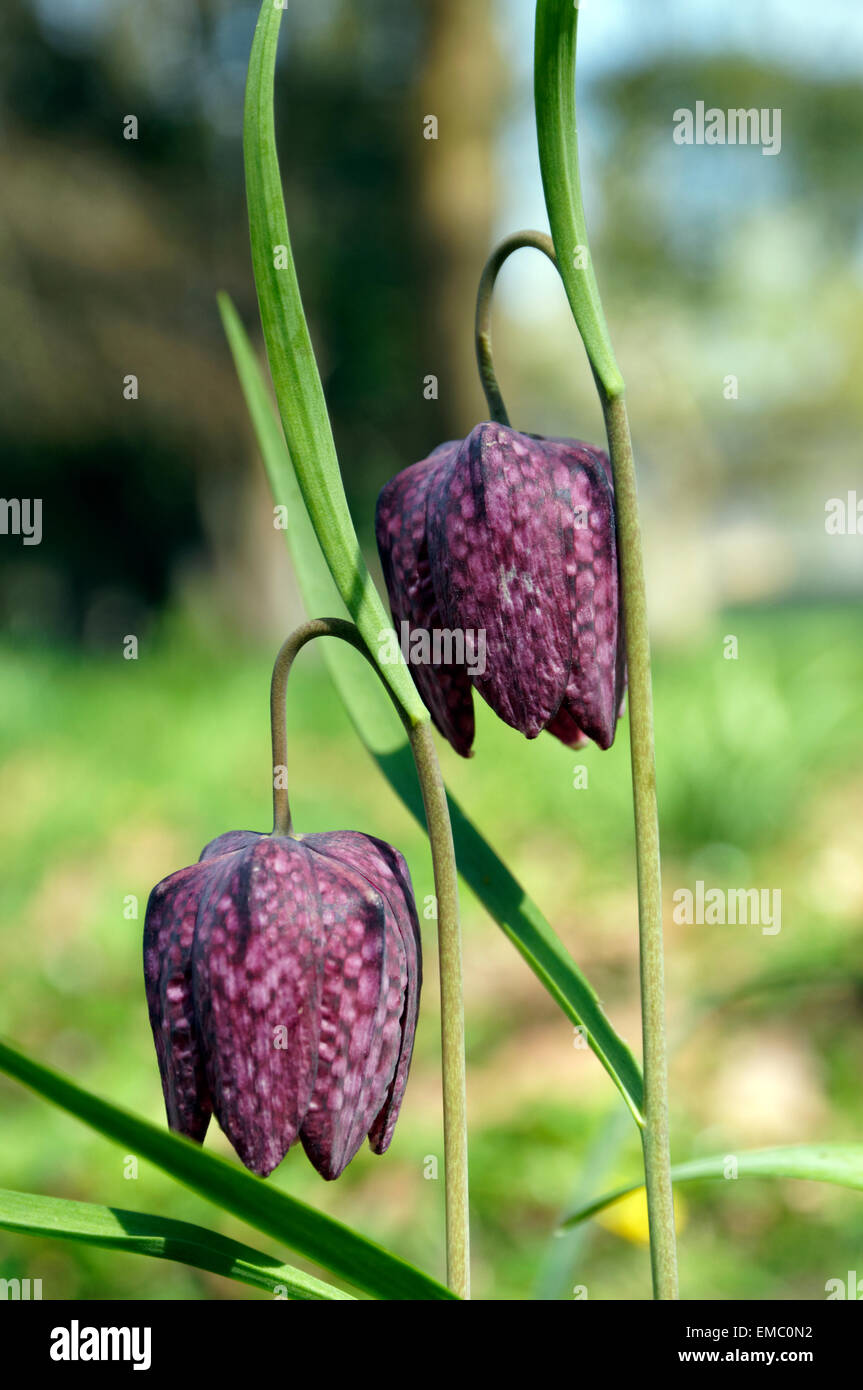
[461,83]
[389,229]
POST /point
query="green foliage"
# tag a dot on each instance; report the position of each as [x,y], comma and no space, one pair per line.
[746,743]
[294,369]
[841,1164]
[345,1253]
[125,773]
[554,89]
[139,1233]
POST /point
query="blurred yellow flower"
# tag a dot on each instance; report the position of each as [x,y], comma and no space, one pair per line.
[627,1217]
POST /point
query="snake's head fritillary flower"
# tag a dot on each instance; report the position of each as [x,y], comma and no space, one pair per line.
[511,537]
[283,976]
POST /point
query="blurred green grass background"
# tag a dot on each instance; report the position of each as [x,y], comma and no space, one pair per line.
[115,773]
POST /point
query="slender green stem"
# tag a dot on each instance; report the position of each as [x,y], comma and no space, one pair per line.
[556,32]
[655,1135]
[452,1008]
[539,241]
[317,627]
[282,823]
[449,928]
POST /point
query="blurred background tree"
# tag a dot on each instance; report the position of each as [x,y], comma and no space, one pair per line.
[114,248]
[716,262]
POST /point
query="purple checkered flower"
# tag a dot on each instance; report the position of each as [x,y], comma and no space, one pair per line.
[283,977]
[512,536]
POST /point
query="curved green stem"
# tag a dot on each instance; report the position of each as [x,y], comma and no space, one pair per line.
[556,31]
[449,929]
[290,648]
[539,241]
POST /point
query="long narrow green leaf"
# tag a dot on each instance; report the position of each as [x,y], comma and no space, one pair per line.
[381,731]
[319,1238]
[139,1233]
[841,1164]
[293,367]
[554,91]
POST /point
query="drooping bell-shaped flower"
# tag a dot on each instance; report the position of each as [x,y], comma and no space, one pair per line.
[283,976]
[504,544]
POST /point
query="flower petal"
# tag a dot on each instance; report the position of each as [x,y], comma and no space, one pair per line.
[359,1040]
[257,971]
[230,841]
[169,930]
[498,559]
[595,686]
[386,870]
[400,525]
[564,727]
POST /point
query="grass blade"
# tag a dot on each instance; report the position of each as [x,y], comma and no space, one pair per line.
[381,731]
[319,1238]
[554,84]
[294,370]
[841,1164]
[139,1233]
